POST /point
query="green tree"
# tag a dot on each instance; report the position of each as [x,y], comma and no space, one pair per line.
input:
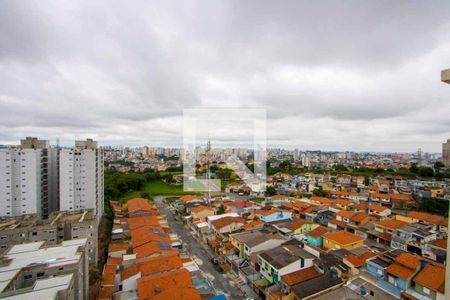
[221,209]
[319,192]
[270,191]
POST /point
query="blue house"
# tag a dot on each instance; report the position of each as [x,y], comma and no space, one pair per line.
[398,276]
[314,237]
[273,215]
[376,267]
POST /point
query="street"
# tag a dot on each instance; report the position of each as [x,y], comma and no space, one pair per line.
[201,255]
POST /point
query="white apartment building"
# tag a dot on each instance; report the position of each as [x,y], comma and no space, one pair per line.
[38,179]
[81,177]
[24,178]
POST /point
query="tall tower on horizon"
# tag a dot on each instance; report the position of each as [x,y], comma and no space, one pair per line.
[446,153]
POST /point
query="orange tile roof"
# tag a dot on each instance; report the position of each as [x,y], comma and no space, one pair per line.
[361,260]
[117,246]
[253,224]
[152,285]
[188,198]
[343,237]
[322,200]
[391,223]
[377,208]
[300,276]
[267,212]
[159,264]
[432,277]
[109,274]
[440,243]
[360,217]
[361,206]
[297,224]
[318,232]
[343,202]
[279,196]
[432,219]
[200,208]
[137,222]
[400,271]
[152,249]
[106,292]
[145,234]
[345,213]
[408,260]
[401,197]
[138,205]
[128,272]
[225,221]
[114,261]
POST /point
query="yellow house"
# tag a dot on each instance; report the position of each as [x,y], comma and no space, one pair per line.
[201,212]
[302,226]
[342,240]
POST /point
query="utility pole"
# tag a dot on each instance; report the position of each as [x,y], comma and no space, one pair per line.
[208,157]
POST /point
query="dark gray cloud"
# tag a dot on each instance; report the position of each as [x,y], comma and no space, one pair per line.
[340,75]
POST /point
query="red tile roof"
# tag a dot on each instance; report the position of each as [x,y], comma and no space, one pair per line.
[138,205]
[168,283]
[300,276]
[432,219]
[297,224]
[432,277]
[225,221]
[318,232]
[343,237]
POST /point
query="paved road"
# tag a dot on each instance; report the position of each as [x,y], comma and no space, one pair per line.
[201,256]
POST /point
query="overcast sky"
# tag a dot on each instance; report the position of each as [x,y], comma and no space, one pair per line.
[332,75]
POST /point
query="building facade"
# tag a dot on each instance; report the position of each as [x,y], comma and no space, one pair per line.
[81,177]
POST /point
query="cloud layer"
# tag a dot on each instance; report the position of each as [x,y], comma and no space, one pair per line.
[332,75]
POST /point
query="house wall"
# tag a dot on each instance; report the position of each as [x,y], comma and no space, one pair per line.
[318,242]
[130,283]
[421,290]
[329,244]
[267,245]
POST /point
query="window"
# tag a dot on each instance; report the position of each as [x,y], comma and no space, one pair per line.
[34,233]
[426,291]
[40,274]
[26,277]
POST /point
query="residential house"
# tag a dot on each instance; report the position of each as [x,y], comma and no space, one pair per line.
[201,212]
[289,280]
[436,250]
[412,238]
[227,225]
[429,284]
[384,230]
[315,287]
[301,226]
[399,275]
[315,237]
[342,240]
[378,210]
[175,284]
[282,260]
[273,215]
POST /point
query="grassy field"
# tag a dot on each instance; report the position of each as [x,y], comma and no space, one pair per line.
[156,188]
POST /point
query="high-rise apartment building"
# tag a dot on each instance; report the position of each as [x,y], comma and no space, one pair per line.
[81,177]
[38,179]
[446,153]
[24,178]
